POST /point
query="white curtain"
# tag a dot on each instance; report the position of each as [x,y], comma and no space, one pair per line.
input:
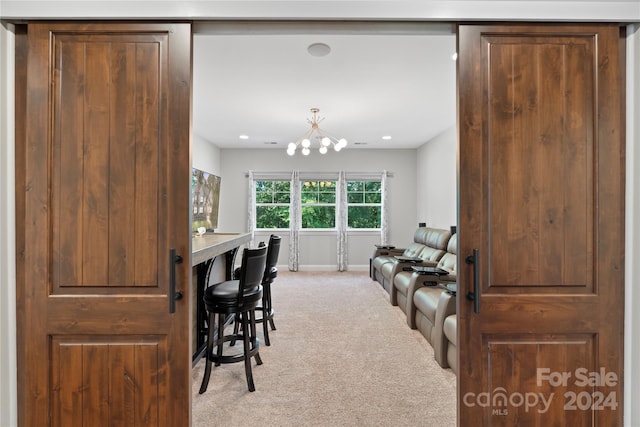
[295,218]
[341,221]
[384,215]
[251,207]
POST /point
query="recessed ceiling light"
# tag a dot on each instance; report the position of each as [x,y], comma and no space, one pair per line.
[244,136]
[386,137]
[319,49]
[454,56]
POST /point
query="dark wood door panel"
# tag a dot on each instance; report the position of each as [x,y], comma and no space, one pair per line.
[532,380]
[106,173]
[106,147]
[128,393]
[543,177]
[541,197]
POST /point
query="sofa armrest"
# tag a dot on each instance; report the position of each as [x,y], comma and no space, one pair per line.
[387,251]
[426,263]
[417,281]
[446,306]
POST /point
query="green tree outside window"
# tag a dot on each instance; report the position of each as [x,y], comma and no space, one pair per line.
[272,204]
[318,203]
[364,204]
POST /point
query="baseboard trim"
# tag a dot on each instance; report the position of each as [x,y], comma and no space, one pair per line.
[317,267]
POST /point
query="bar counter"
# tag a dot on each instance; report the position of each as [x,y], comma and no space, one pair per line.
[210,245]
[205,250]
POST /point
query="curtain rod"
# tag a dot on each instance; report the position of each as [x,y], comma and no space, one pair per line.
[246,173]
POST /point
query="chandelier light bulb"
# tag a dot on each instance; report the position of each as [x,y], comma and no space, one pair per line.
[315,135]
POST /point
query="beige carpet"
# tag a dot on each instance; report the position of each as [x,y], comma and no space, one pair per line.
[341,356]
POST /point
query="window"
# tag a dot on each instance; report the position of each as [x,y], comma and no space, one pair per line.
[272,204]
[318,204]
[364,204]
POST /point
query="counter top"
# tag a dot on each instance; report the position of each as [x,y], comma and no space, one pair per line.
[210,245]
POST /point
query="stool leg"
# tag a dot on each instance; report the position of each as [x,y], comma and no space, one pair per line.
[247,350]
[207,366]
[236,327]
[220,337]
[265,323]
[270,310]
[254,336]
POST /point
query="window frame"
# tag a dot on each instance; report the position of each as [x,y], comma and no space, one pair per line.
[318,176]
[319,204]
[274,204]
[364,204]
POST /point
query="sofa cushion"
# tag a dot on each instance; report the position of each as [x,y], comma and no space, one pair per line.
[379,260]
[402,280]
[449,260]
[413,250]
[452,244]
[426,301]
[436,238]
[431,254]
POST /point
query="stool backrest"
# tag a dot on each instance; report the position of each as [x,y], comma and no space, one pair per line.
[273,250]
[251,270]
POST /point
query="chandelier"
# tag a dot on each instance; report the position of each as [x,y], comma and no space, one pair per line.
[323,139]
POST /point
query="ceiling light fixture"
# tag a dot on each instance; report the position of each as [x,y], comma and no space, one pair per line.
[316,134]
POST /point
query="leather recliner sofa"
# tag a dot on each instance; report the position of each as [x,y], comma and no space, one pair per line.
[406,282]
[384,254]
[427,249]
[427,305]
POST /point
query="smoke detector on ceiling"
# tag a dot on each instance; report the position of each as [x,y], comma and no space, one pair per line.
[319,49]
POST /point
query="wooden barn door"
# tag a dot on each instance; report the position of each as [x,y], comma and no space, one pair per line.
[541,187]
[105,174]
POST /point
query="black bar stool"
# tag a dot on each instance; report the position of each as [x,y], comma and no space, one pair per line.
[238,298]
[270,273]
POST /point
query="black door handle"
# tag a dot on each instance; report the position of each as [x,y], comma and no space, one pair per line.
[173,295]
[475,295]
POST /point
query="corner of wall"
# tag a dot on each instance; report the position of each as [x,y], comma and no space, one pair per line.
[8,363]
[436,175]
[205,155]
[632,230]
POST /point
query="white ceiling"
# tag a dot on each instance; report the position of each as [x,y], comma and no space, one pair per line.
[261,81]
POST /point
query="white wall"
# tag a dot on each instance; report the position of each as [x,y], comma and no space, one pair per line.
[442,10]
[205,155]
[436,177]
[8,399]
[318,249]
[632,226]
